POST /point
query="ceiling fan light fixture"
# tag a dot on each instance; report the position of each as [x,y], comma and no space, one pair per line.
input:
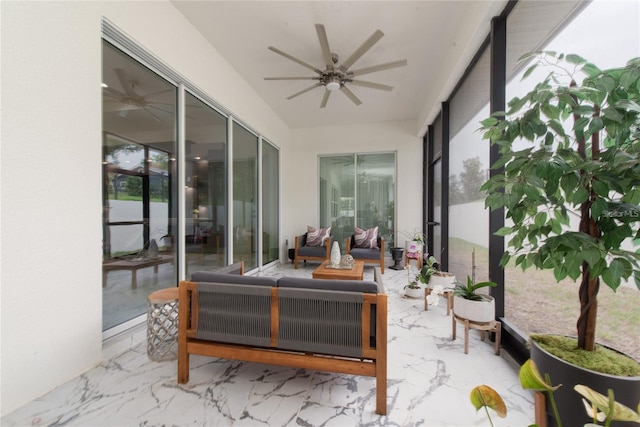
[333,85]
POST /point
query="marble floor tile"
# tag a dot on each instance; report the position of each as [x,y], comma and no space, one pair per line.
[429,380]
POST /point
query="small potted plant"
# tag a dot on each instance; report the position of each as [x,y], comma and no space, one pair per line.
[413,288]
[431,275]
[471,305]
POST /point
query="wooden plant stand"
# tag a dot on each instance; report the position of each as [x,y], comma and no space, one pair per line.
[494,326]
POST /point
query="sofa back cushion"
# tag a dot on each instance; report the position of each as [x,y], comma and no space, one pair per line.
[207,276]
[234,313]
[320,321]
[361,286]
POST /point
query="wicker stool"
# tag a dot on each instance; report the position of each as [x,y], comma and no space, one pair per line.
[162,325]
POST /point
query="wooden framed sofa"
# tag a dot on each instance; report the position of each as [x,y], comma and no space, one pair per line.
[326,325]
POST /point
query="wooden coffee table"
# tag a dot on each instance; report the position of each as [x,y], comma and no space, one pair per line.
[322,272]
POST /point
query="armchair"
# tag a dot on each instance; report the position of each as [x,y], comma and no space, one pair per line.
[369,255]
[303,252]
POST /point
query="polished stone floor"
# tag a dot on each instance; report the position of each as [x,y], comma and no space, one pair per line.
[429,380]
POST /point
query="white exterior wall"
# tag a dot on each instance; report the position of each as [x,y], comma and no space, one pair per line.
[50,220]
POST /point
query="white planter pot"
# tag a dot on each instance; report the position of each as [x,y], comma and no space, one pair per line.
[413,246]
[475,311]
[413,292]
[447,282]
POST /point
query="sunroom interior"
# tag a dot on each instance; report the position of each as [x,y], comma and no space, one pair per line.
[204,163]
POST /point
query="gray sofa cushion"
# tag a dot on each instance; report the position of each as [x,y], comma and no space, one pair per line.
[319,251]
[205,276]
[360,253]
[365,286]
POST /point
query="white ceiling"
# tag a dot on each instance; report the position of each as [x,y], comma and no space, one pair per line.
[437,38]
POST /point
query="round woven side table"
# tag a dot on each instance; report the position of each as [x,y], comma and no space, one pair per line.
[162,325]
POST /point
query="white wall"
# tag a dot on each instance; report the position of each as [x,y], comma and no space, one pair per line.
[300,169]
[50,221]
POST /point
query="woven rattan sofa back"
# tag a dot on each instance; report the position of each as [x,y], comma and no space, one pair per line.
[310,317]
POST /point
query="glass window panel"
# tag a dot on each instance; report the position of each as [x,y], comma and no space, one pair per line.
[534,302]
[205,192]
[358,190]
[245,196]
[139,146]
[270,202]
[436,246]
[376,192]
[468,169]
[337,196]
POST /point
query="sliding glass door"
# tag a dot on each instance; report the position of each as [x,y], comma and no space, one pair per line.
[151,176]
[205,186]
[357,190]
[139,186]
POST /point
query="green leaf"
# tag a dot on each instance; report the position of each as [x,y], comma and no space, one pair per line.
[529,70]
[540,219]
[601,188]
[580,195]
[590,255]
[590,69]
[489,122]
[504,231]
[530,378]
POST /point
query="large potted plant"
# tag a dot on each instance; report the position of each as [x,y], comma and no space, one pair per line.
[581,127]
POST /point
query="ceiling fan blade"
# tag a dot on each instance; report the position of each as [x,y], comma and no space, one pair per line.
[325,98]
[292,78]
[126,85]
[113,93]
[350,95]
[304,90]
[373,39]
[371,85]
[296,60]
[156,93]
[158,119]
[380,67]
[324,45]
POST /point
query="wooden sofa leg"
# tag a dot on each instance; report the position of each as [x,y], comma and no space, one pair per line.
[183,367]
[381,392]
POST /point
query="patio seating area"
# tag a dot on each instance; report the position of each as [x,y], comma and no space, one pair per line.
[429,380]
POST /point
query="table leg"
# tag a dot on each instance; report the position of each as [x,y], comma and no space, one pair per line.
[134,278]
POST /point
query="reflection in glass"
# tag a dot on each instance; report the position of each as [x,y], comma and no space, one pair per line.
[270,202]
[138,167]
[358,190]
[337,196]
[245,196]
[205,191]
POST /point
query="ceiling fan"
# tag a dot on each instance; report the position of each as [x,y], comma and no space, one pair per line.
[335,76]
[128,99]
